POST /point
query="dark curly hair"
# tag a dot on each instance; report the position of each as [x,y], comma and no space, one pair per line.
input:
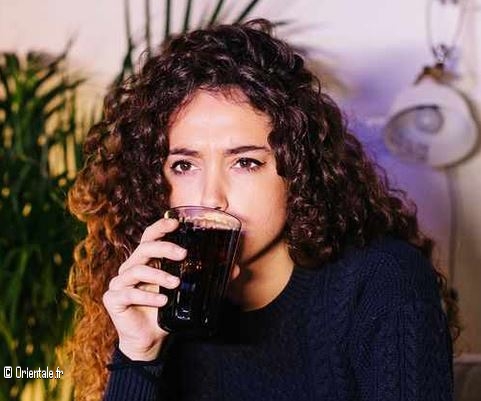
[337,197]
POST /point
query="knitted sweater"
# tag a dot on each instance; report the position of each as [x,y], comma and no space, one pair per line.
[367,327]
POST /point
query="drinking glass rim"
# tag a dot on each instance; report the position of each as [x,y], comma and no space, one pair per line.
[205,208]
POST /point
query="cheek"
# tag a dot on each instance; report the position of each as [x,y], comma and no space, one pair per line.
[181,194]
[265,217]
[265,205]
[275,213]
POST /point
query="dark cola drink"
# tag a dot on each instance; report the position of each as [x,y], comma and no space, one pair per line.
[193,307]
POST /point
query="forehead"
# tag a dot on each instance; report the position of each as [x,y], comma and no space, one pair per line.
[220,118]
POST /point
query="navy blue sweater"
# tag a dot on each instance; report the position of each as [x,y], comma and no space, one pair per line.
[367,327]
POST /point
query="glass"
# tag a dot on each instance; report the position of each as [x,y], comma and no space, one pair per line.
[211,238]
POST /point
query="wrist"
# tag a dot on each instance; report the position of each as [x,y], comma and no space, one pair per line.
[143,354]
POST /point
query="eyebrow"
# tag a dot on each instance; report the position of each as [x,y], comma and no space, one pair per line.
[232,151]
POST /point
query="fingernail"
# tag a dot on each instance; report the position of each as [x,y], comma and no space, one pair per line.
[163,298]
[181,251]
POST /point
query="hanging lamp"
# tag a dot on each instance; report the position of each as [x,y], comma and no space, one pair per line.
[431,122]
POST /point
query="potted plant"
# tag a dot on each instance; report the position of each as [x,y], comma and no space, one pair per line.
[39,153]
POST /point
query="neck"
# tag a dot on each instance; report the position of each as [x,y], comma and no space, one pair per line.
[262,280]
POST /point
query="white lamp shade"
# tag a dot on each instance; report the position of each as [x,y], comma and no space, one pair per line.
[430,123]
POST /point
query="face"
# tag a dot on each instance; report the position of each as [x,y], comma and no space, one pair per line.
[219,157]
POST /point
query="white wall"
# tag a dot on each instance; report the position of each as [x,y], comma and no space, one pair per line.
[374,47]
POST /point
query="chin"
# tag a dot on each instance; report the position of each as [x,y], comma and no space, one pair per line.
[245,254]
[243,258]
[249,254]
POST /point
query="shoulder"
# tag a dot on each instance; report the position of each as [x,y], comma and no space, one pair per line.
[386,274]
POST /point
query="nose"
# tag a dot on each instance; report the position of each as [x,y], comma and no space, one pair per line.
[214,192]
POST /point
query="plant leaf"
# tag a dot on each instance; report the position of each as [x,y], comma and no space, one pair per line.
[127,63]
[167,19]
[188,9]
[215,14]
[13,63]
[147,26]
[246,11]
[61,88]
[14,289]
[3,78]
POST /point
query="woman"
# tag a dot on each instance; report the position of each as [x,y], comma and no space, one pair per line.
[333,296]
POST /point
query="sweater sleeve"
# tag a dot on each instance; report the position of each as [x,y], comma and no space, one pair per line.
[134,380]
[405,355]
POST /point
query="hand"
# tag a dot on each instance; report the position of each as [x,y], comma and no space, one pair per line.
[133,295]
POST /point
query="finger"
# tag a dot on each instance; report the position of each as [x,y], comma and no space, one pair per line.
[143,274]
[159,229]
[148,287]
[153,249]
[120,301]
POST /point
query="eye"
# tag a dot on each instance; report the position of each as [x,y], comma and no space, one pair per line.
[181,167]
[246,163]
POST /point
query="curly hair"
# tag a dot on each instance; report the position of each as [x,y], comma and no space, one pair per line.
[337,197]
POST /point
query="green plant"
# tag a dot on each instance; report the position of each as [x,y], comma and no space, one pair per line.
[212,15]
[39,153]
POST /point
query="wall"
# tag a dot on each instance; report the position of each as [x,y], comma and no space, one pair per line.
[374,48]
